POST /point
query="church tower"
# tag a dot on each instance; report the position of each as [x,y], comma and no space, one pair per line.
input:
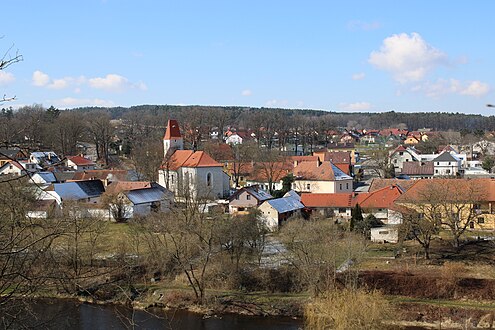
[172,140]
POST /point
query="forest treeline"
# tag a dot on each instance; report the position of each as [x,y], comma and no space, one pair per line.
[238,116]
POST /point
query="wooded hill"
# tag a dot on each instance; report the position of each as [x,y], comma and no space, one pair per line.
[242,116]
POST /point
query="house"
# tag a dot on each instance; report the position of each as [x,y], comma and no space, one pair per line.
[379,183]
[44,158]
[7,155]
[247,198]
[233,139]
[471,200]
[187,172]
[18,168]
[381,204]
[88,191]
[79,163]
[337,206]
[446,164]
[144,201]
[321,177]
[275,211]
[402,155]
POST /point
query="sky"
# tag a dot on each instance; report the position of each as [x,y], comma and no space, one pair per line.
[345,56]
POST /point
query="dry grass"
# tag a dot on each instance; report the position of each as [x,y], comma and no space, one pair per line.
[348,309]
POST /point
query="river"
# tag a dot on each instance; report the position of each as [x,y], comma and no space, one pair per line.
[68,314]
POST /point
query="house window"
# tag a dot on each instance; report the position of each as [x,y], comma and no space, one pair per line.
[308,186]
[208,180]
[471,224]
[438,163]
[383,232]
[436,171]
[448,171]
[342,210]
[248,197]
[237,197]
[481,220]
[401,153]
[340,186]
[347,185]
[241,178]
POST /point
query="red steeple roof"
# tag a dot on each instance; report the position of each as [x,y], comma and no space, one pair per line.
[172,130]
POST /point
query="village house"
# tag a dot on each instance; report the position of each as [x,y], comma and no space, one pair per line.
[247,198]
[8,155]
[188,172]
[44,158]
[472,201]
[105,176]
[79,163]
[336,206]
[321,177]
[18,168]
[275,211]
[144,201]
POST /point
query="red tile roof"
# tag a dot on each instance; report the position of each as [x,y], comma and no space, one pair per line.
[80,161]
[458,190]
[173,130]
[189,158]
[380,199]
[311,171]
[326,200]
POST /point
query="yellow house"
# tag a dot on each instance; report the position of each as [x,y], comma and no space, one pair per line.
[469,202]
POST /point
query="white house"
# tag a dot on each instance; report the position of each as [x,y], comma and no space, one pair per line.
[141,202]
[79,163]
[18,168]
[233,139]
[446,164]
[190,172]
[247,198]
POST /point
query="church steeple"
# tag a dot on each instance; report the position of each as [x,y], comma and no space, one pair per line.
[172,140]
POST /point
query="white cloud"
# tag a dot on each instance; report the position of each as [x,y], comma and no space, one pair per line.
[6,78]
[74,102]
[407,57]
[358,76]
[452,86]
[365,26]
[40,79]
[111,81]
[59,83]
[357,106]
[246,92]
[476,89]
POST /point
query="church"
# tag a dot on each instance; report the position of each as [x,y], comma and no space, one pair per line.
[188,172]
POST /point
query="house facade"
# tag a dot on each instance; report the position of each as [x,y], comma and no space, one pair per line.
[321,177]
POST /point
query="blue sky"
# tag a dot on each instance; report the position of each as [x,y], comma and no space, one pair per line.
[333,55]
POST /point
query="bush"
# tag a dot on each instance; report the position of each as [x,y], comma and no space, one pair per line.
[348,309]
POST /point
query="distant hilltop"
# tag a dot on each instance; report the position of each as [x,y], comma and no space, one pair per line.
[239,115]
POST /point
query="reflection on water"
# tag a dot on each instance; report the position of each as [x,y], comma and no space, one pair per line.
[65,314]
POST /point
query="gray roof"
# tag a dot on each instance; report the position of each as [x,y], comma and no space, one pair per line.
[445,157]
[417,168]
[258,193]
[146,195]
[64,176]
[285,204]
[48,177]
[9,153]
[79,189]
